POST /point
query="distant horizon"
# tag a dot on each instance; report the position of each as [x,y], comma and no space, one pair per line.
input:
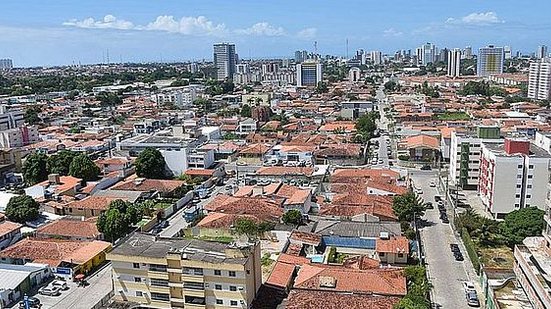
[63,32]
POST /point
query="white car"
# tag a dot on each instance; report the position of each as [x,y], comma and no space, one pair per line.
[468,286]
[62,284]
[49,290]
[419,191]
[432,183]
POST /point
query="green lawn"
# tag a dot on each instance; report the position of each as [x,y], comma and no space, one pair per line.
[451,116]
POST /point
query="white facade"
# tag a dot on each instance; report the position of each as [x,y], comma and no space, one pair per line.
[541,52]
[376,57]
[247,126]
[474,144]
[454,62]
[224,60]
[354,74]
[539,80]
[19,137]
[490,61]
[11,119]
[182,97]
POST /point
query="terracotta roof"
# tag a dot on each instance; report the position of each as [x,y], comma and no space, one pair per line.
[364,173]
[307,299]
[113,161]
[422,141]
[377,281]
[398,244]
[361,262]
[54,251]
[219,220]
[161,185]
[70,228]
[257,149]
[93,202]
[67,183]
[292,259]
[7,227]
[305,237]
[388,187]
[339,150]
[199,172]
[281,275]
[264,209]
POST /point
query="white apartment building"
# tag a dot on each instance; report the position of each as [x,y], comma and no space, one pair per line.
[225,60]
[247,126]
[376,57]
[11,119]
[180,97]
[19,137]
[465,151]
[454,62]
[539,80]
[490,61]
[511,176]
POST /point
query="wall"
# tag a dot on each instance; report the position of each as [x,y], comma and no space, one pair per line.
[176,161]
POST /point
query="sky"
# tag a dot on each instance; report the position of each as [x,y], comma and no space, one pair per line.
[57,32]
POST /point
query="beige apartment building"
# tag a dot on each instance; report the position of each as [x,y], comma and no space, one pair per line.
[185,273]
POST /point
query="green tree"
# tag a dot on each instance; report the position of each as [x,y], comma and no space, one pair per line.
[31,115]
[321,87]
[203,104]
[391,86]
[22,208]
[293,216]
[108,99]
[83,167]
[59,162]
[418,289]
[35,168]
[151,164]
[366,126]
[522,223]
[246,111]
[118,219]
[407,206]
[246,226]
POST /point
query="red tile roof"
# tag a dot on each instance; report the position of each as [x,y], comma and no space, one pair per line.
[398,244]
[93,202]
[308,299]
[422,141]
[264,209]
[142,184]
[70,228]
[7,227]
[281,275]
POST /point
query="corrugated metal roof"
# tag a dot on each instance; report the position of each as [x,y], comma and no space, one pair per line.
[11,279]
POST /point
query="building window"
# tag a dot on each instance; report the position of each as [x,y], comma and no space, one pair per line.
[136,265]
[233,288]
[218,287]
[531,166]
[194,285]
[248,272]
[192,271]
[233,303]
[381,254]
[519,176]
[139,293]
[519,166]
[231,273]
[219,301]
[160,296]
[518,186]
[529,186]
[517,205]
[159,282]
[528,196]
[217,272]
[517,195]
[157,267]
[137,279]
[530,176]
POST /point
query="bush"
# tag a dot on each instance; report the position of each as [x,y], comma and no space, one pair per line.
[403,157]
[471,249]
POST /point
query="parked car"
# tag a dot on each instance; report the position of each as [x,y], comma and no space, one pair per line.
[61,284]
[49,290]
[164,224]
[428,205]
[33,302]
[472,299]
[468,286]
[458,256]
[454,247]
[432,184]
[426,168]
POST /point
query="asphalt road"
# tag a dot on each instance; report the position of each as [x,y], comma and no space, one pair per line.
[445,273]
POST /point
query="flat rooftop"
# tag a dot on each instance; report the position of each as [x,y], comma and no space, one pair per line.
[157,247]
[499,149]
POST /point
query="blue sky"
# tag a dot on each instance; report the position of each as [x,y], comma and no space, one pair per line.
[38,32]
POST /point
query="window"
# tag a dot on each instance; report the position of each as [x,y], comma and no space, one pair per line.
[139,293]
[136,265]
[518,186]
[219,301]
[233,303]
[517,205]
[400,255]
[233,288]
[231,273]
[531,166]
[194,285]
[528,196]
[137,279]
[381,254]
[160,296]
[159,282]
[529,186]
[530,176]
[157,267]
[192,271]
[517,195]
[519,166]
[218,287]
[519,176]
[248,272]
[217,272]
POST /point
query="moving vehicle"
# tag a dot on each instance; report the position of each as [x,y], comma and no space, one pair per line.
[49,290]
[33,302]
[472,299]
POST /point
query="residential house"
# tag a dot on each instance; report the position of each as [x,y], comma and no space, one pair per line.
[55,186]
[71,228]
[10,232]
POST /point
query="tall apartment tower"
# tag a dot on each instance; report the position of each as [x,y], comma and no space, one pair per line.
[6,64]
[225,60]
[454,62]
[508,52]
[468,53]
[428,53]
[541,52]
[539,80]
[490,60]
[308,73]
[376,57]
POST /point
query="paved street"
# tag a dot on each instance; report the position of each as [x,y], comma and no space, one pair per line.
[81,297]
[445,273]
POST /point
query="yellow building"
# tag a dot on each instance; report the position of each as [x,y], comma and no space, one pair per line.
[176,272]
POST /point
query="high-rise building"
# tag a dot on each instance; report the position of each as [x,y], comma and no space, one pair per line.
[468,53]
[6,64]
[454,62]
[419,55]
[539,79]
[428,53]
[490,61]
[167,273]
[354,74]
[443,55]
[508,52]
[225,60]
[301,56]
[309,73]
[376,57]
[541,52]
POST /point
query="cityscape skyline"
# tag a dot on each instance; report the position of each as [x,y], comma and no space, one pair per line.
[69,33]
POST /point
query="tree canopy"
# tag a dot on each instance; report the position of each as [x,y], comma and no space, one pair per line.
[83,167]
[407,206]
[31,115]
[118,219]
[22,208]
[418,289]
[59,162]
[293,216]
[108,99]
[151,164]
[366,126]
[246,111]
[522,223]
[35,168]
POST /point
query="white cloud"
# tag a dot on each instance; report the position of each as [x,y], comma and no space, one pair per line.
[477,19]
[186,25]
[108,22]
[262,29]
[392,32]
[307,33]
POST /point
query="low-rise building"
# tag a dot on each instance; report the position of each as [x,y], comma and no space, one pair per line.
[18,280]
[10,232]
[182,273]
